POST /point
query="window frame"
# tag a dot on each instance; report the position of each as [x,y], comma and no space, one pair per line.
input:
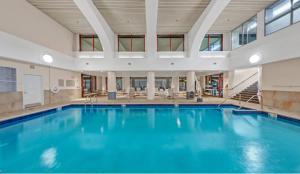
[131,37]
[170,36]
[290,12]
[121,83]
[93,36]
[242,25]
[10,78]
[208,41]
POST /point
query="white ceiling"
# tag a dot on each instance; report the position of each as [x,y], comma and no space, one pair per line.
[124,16]
[128,16]
[178,16]
[64,12]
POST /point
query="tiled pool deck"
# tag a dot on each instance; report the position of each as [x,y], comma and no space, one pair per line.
[206,100]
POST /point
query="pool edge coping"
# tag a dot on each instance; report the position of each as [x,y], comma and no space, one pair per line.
[20,117]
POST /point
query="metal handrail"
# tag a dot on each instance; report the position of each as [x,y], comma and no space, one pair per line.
[222,102]
[228,99]
[235,86]
[249,100]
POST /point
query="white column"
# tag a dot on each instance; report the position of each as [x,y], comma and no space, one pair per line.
[111,85]
[226,84]
[103,83]
[99,81]
[198,86]
[175,84]
[151,27]
[126,84]
[111,82]
[261,25]
[227,41]
[150,85]
[190,81]
[202,82]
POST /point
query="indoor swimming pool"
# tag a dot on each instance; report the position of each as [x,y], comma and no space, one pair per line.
[149,138]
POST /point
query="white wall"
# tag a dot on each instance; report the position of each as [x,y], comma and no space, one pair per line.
[280,45]
[153,64]
[15,48]
[20,18]
[240,79]
[281,76]
[38,29]
[55,74]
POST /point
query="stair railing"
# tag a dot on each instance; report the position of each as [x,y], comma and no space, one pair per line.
[256,95]
[224,101]
[235,86]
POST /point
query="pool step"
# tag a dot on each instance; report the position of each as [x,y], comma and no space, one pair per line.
[245,111]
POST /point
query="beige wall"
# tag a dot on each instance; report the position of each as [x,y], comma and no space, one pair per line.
[281,85]
[15,101]
[281,76]
[20,18]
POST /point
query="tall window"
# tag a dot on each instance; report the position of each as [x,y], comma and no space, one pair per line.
[119,83]
[170,43]
[212,42]
[138,83]
[281,14]
[8,79]
[244,33]
[163,82]
[182,83]
[131,43]
[90,43]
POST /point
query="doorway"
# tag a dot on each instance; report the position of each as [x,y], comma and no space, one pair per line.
[32,90]
[88,84]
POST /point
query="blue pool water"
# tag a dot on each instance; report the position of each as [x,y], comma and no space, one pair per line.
[149,139]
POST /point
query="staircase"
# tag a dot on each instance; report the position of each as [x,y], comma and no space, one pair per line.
[247,93]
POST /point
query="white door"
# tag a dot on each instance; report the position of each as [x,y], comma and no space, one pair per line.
[32,90]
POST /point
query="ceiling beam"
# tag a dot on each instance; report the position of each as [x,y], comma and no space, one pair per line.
[99,24]
[151,7]
[203,24]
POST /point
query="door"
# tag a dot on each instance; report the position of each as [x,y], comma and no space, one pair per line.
[32,90]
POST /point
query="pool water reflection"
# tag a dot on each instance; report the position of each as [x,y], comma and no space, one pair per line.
[150,139]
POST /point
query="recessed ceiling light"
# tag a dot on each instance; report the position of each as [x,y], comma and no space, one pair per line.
[254,59]
[47,58]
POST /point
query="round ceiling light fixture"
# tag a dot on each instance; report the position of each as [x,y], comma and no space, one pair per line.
[47,58]
[254,59]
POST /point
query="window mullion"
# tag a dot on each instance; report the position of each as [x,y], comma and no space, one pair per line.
[170,43]
[131,44]
[208,42]
[292,12]
[93,42]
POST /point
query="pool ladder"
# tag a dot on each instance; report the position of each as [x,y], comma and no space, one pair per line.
[242,105]
[251,98]
[225,100]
